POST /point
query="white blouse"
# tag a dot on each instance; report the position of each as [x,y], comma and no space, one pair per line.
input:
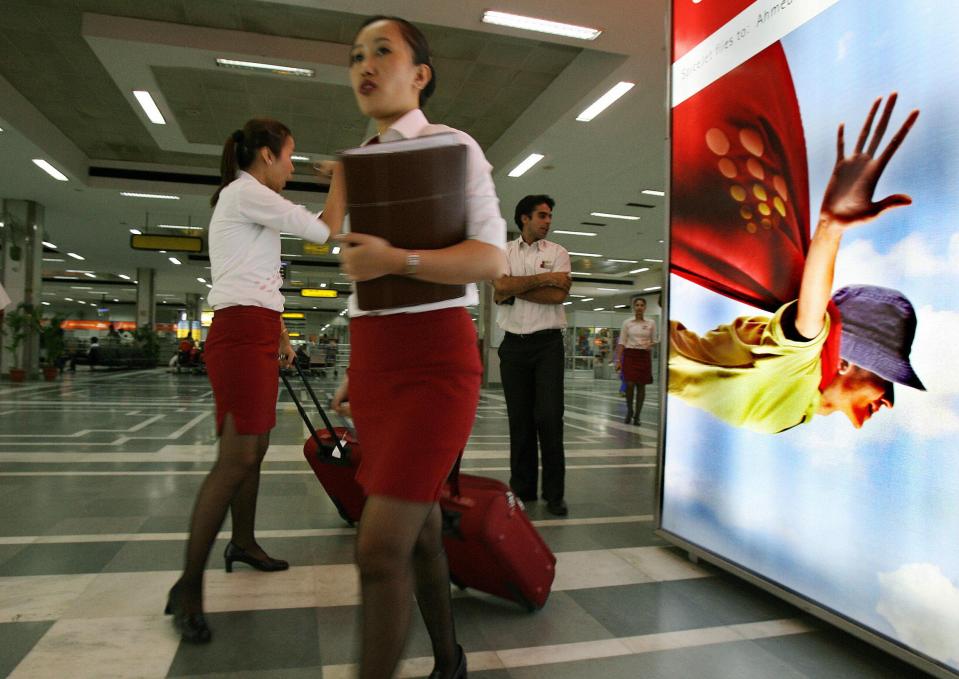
[245,243]
[638,334]
[483,219]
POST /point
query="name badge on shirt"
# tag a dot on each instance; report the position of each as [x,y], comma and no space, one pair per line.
[546,264]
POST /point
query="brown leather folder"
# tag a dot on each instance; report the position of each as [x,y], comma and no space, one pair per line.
[415,199]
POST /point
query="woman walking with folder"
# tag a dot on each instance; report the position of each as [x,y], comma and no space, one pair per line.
[246,338]
[410,445]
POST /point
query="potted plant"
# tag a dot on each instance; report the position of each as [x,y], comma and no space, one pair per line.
[19,322]
[51,339]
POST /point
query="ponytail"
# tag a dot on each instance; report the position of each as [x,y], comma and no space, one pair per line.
[241,147]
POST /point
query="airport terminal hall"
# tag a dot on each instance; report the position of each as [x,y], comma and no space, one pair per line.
[645,302]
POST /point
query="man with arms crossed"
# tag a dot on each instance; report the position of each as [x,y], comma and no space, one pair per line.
[531,298]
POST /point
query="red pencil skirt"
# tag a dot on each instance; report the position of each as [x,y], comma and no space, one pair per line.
[414,384]
[637,366]
[241,355]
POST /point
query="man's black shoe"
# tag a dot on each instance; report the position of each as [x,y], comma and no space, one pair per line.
[557,507]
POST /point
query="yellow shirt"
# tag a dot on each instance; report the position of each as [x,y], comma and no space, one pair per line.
[748,373]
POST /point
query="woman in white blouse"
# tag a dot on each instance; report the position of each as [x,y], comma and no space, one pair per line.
[246,345]
[633,358]
[420,360]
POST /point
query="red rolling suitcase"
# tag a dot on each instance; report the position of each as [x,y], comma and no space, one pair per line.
[333,457]
[491,545]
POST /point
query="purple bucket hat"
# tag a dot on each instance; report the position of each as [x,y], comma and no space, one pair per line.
[878,327]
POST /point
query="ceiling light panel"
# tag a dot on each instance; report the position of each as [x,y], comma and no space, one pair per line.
[630,218]
[150,108]
[275,69]
[50,169]
[540,25]
[524,167]
[605,101]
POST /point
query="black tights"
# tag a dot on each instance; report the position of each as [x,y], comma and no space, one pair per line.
[399,550]
[640,391]
[233,482]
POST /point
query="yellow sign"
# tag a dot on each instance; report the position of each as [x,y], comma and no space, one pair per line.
[317,292]
[147,241]
[295,334]
[294,314]
[315,249]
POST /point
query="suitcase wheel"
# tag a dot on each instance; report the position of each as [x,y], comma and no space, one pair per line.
[341,510]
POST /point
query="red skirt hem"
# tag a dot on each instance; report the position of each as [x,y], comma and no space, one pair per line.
[637,366]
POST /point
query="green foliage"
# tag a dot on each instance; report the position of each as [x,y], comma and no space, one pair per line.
[19,322]
[52,340]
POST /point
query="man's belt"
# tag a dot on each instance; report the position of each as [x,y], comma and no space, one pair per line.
[538,333]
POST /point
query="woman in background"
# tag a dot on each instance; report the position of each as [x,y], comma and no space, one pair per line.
[634,359]
[246,339]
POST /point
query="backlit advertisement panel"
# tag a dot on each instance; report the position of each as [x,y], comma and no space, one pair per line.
[812,412]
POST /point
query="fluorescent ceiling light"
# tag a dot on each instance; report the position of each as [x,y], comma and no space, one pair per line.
[645,268]
[200,279]
[50,169]
[620,306]
[623,261]
[579,273]
[608,289]
[145,99]
[599,308]
[269,68]
[53,259]
[523,167]
[175,260]
[135,232]
[75,256]
[336,249]
[540,25]
[300,158]
[49,244]
[285,254]
[611,216]
[177,226]
[80,287]
[585,254]
[90,275]
[576,233]
[661,240]
[653,260]
[655,287]
[45,303]
[577,295]
[605,101]
[161,196]
[651,192]
[566,303]
[68,299]
[124,276]
[586,299]
[209,286]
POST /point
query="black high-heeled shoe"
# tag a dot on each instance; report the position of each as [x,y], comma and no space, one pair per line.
[234,553]
[191,626]
[460,672]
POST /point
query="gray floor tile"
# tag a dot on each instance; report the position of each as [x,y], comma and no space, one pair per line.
[57,559]
[832,653]
[646,608]
[609,536]
[253,641]
[16,640]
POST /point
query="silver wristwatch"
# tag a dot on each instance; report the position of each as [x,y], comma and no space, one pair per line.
[412,263]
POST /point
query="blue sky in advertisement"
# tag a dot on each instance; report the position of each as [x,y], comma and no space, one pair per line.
[865,522]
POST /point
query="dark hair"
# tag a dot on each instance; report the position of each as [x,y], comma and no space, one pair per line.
[528,204]
[418,45]
[240,148]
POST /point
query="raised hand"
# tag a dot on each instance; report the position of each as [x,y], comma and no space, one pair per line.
[848,200]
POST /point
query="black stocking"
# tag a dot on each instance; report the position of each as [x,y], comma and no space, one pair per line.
[433,592]
[390,532]
[238,457]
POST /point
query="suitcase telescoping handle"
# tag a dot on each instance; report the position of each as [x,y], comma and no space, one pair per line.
[340,451]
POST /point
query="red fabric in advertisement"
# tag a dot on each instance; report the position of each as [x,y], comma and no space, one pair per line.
[740,181]
[740,207]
